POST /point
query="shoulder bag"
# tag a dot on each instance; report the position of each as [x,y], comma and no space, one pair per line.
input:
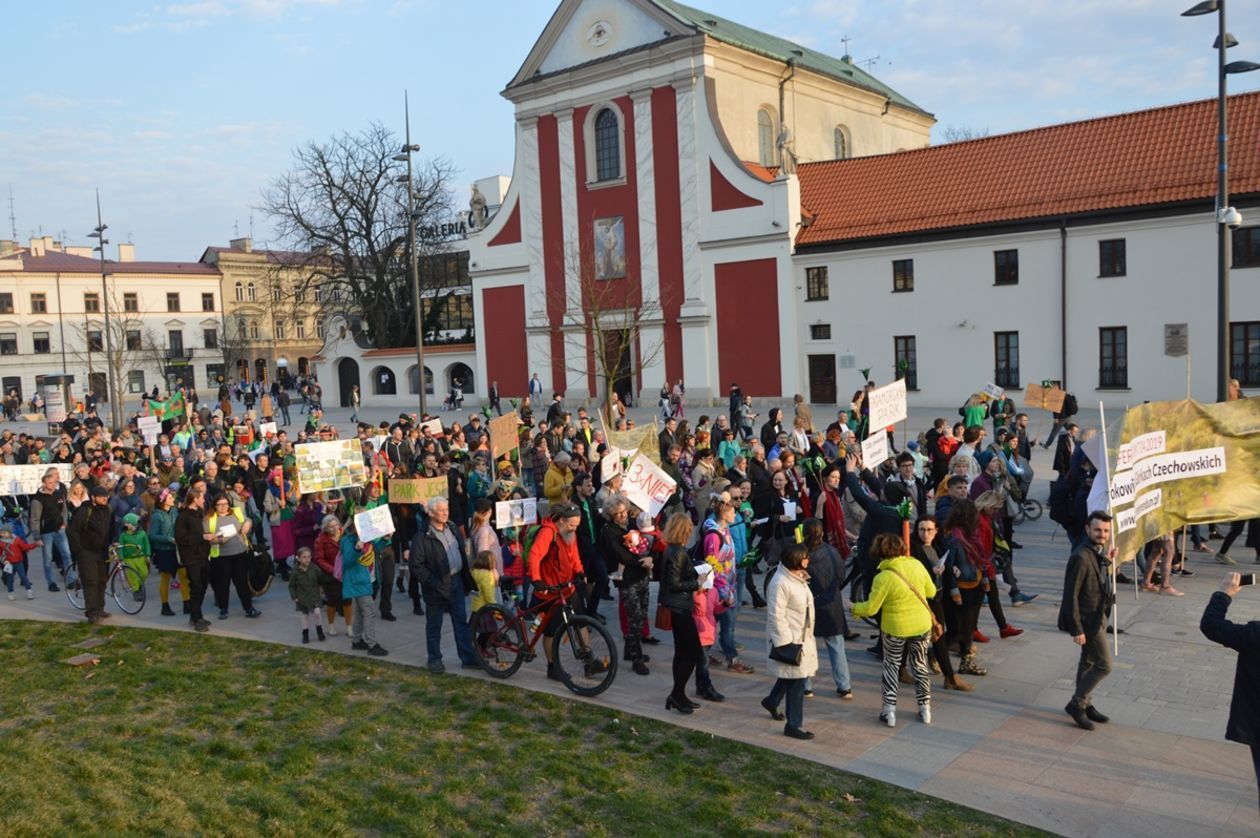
[791,653]
[938,630]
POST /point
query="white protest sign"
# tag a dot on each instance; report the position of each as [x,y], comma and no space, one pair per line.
[267,429]
[434,426]
[26,480]
[875,449]
[377,443]
[515,513]
[150,427]
[888,404]
[610,465]
[375,523]
[646,486]
[993,391]
[789,509]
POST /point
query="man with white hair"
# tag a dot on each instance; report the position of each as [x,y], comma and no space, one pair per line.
[438,562]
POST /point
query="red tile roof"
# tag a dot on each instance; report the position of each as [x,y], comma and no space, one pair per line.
[54,261]
[1161,156]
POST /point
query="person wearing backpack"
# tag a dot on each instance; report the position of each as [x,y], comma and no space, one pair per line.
[438,561]
[553,562]
[1061,419]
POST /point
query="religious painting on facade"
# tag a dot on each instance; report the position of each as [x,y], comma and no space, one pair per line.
[610,248]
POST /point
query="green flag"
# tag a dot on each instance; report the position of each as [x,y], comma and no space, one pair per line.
[169,409]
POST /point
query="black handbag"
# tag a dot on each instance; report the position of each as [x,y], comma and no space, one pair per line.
[791,653]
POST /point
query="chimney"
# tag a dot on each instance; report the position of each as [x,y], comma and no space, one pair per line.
[7,246]
[246,244]
[126,252]
[81,250]
[40,246]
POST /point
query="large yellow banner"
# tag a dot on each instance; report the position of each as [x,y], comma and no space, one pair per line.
[1182,462]
[643,440]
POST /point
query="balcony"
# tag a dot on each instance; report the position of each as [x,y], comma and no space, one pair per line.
[179,354]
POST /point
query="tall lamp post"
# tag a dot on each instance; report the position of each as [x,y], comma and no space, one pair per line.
[1227,217]
[99,234]
[405,155]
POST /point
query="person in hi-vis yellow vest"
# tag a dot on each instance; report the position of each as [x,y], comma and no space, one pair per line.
[229,555]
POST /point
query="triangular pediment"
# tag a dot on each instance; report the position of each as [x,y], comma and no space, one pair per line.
[581,32]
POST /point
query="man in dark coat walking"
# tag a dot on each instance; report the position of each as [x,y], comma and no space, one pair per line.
[1087,600]
[1244,709]
[89,537]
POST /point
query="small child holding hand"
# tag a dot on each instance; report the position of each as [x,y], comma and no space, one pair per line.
[13,550]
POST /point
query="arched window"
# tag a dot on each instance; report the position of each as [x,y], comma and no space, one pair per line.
[251,293]
[842,143]
[765,138]
[253,330]
[240,293]
[607,145]
[240,328]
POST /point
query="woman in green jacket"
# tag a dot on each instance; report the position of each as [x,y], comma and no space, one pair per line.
[162,539]
[905,622]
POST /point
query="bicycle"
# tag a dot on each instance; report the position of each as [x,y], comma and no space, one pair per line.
[1030,509]
[499,635]
[122,583]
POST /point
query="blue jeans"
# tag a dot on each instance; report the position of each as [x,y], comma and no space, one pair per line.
[839,663]
[19,571]
[794,690]
[55,542]
[726,632]
[704,682]
[457,607]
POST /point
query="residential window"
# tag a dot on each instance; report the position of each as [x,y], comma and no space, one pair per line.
[1006,267]
[903,275]
[214,373]
[842,143]
[299,329]
[1006,359]
[251,293]
[275,294]
[172,301]
[133,339]
[319,329]
[1247,249]
[253,330]
[816,284]
[607,145]
[135,381]
[279,330]
[91,301]
[299,295]
[906,360]
[175,341]
[43,345]
[1113,357]
[241,328]
[1244,353]
[240,293]
[212,338]
[8,343]
[131,302]
[820,331]
[1111,257]
[765,138]
[39,304]
[94,341]
[207,302]
[6,303]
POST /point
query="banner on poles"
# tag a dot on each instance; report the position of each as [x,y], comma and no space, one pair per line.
[26,480]
[875,449]
[640,440]
[646,486]
[887,404]
[1174,463]
[418,490]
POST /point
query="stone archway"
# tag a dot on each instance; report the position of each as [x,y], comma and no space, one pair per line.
[347,379]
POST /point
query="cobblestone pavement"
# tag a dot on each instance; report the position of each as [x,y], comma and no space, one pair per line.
[1160,767]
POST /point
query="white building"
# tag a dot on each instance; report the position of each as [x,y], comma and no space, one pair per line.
[166,318]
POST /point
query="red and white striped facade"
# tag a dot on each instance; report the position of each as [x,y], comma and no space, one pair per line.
[708,242]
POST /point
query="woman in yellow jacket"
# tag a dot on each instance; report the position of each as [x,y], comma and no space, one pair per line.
[904,622]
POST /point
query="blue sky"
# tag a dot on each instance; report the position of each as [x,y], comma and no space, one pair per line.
[182,112]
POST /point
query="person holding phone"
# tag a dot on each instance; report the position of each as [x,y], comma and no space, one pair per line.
[1244,638]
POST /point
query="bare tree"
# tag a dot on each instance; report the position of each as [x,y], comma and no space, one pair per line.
[961,133]
[603,326]
[123,352]
[342,213]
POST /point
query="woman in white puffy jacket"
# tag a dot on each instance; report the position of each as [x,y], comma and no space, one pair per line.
[790,622]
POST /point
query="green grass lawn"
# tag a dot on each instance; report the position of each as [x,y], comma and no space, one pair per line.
[181,734]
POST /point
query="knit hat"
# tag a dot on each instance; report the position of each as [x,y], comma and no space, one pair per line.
[983,458]
[131,519]
[99,492]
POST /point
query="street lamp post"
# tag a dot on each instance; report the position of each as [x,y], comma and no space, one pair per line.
[1226,217]
[110,382]
[412,258]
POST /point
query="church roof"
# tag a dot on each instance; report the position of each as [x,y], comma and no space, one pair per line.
[1164,156]
[780,49]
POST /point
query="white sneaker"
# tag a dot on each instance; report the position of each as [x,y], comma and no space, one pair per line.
[30,594]
[12,596]
[332,630]
[925,714]
[889,716]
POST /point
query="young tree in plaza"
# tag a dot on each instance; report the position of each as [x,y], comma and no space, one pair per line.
[115,351]
[342,213]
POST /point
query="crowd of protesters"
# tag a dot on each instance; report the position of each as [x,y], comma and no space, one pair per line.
[780,515]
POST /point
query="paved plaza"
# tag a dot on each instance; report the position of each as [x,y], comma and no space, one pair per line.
[1161,767]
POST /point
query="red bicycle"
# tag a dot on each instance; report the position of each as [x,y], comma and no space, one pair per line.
[584,650]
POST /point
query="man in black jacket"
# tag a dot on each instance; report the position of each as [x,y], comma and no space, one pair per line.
[437,560]
[1087,600]
[588,538]
[88,534]
[1064,449]
[1244,708]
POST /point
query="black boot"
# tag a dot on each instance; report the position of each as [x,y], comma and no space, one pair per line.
[167,611]
[187,610]
[306,635]
[319,632]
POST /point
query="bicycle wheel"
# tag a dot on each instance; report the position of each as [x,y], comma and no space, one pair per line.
[499,640]
[586,655]
[1032,508]
[74,586]
[127,589]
